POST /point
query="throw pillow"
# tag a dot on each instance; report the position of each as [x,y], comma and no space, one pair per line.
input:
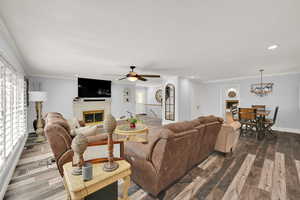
[86,131]
[73,123]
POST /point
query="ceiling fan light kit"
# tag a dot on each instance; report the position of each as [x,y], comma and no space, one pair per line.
[132,78]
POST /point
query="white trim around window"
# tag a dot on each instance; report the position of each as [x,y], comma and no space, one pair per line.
[12,109]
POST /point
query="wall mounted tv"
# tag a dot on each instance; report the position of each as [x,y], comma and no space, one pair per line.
[93,88]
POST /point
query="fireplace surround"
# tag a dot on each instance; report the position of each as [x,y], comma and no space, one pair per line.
[91,112]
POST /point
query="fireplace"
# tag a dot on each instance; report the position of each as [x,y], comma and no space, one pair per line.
[91,112]
[93,117]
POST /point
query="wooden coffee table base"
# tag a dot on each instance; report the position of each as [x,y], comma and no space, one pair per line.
[135,138]
[78,189]
[133,135]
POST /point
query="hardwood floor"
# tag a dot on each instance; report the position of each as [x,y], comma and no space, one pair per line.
[267,169]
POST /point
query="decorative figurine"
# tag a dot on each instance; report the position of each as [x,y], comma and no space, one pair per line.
[79,145]
[109,126]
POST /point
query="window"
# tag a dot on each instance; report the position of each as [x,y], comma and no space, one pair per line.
[170,102]
[12,109]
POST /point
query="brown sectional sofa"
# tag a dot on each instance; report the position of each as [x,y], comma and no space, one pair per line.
[171,151]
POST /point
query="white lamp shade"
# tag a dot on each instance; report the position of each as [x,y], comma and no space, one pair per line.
[37,96]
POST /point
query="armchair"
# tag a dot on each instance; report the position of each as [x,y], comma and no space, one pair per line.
[58,135]
[229,135]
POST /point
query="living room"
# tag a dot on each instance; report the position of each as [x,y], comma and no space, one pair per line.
[149,100]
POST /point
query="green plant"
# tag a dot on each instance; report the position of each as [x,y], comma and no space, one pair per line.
[133,120]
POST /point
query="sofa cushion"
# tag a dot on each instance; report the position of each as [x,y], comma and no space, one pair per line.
[196,122]
[180,126]
[74,123]
[86,131]
[234,125]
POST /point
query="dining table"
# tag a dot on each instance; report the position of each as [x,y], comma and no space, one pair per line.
[261,116]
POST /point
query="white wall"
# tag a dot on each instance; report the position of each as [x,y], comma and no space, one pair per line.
[9,50]
[152,104]
[197,93]
[193,99]
[188,98]
[118,107]
[184,92]
[285,95]
[140,99]
[60,93]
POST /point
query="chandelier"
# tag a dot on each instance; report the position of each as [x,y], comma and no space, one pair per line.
[261,89]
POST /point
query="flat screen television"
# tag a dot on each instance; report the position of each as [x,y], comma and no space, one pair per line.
[93,88]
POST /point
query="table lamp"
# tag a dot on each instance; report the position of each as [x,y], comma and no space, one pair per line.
[38,97]
[109,125]
[79,145]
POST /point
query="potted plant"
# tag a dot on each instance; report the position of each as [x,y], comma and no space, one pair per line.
[132,122]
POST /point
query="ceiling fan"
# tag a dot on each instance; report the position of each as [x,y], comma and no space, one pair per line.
[133,76]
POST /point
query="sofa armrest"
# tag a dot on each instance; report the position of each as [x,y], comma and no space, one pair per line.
[234,125]
[63,159]
[143,172]
[228,137]
[138,150]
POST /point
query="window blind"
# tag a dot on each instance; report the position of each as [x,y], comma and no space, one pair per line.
[12,109]
[2,133]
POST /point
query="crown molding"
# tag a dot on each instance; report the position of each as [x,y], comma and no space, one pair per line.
[10,39]
[73,78]
[250,77]
[52,76]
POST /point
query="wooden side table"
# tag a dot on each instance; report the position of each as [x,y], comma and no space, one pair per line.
[79,189]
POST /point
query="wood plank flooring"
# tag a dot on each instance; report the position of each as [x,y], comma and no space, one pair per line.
[266,169]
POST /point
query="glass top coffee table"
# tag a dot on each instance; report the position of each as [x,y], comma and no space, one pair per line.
[132,134]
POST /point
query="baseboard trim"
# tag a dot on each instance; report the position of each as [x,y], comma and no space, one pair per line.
[290,130]
[9,166]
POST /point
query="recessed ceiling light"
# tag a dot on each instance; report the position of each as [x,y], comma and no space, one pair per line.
[273,47]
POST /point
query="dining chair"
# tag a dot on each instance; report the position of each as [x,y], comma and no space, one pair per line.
[269,123]
[248,119]
[259,107]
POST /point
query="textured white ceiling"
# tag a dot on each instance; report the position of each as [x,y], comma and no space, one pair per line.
[209,39]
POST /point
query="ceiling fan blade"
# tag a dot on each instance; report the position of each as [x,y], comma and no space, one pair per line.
[111,74]
[141,78]
[150,76]
[122,78]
